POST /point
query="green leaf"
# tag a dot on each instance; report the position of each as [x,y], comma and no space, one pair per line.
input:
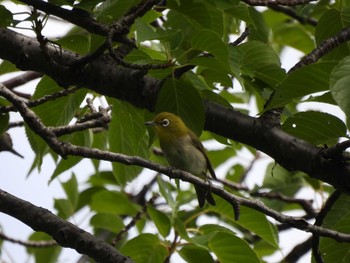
[77,43]
[330,24]
[71,189]
[338,219]
[195,254]
[108,222]
[113,203]
[250,219]
[88,5]
[4,122]
[207,232]
[296,36]
[63,109]
[315,127]
[64,208]
[127,135]
[271,74]
[256,54]
[259,29]
[102,178]
[200,14]
[184,100]
[325,98]
[44,254]
[82,138]
[339,83]
[52,113]
[86,195]
[144,31]
[7,67]
[6,17]
[180,228]
[99,141]
[145,248]
[257,222]
[112,10]
[165,190]
[241,12]
[206,40]
[231,249]
[301,82]
[282,181]
[160,219]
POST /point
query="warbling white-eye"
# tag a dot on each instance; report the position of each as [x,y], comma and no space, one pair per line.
[183,150]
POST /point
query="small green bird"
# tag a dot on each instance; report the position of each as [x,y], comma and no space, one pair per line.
[183,150]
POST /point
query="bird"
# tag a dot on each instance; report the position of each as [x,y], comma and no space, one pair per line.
[6,144]
[183,150]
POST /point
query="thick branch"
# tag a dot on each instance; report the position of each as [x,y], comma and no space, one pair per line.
[102,75]
[65,233]
[77,17]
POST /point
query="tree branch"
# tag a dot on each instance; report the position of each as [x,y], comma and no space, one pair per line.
[298,251]
[277,2]
[65,149]
[323,48]
[64,233]
[37,244]
[319,221]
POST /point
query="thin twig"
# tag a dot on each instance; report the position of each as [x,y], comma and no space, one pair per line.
[277,2]
[293,14]
[241,38]
[133,221]
[36,244]
[42,100]
[319,221]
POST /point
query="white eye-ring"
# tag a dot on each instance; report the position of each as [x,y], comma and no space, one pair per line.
[165,122]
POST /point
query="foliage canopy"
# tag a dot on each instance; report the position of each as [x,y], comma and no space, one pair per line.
[217,64]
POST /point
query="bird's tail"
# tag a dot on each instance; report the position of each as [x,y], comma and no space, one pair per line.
[202,195]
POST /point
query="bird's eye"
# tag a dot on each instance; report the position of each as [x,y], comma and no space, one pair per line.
[165,122]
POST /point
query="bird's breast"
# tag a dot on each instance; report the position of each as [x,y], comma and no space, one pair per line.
[182,154]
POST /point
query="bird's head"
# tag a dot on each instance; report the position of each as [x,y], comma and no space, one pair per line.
[168,126]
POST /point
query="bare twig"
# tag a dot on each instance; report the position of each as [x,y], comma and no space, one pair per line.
[133,221]
[319,221]
[44,99]
[293,14]
[305,204]
[277,2]
[241,38]
[21,79]
[172,248]
[15,124]
[36,244]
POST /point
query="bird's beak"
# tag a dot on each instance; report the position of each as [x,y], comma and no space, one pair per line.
[150,123]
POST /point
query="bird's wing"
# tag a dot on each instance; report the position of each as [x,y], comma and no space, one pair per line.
[198,144]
